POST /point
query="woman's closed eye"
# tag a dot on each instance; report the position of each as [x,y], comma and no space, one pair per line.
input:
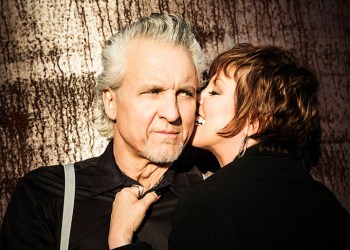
[213,92]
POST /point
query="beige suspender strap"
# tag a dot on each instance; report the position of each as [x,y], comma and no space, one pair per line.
[68,204]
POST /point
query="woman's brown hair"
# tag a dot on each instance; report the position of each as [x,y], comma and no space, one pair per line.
[274,90]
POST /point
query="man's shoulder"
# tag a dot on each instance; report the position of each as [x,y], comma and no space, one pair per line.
[53,175]
[43,173]
[56,171]
[81,167]
[43,183]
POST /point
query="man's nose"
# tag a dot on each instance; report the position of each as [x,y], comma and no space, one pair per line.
[169,108]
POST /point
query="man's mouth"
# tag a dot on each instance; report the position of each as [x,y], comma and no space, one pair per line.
[170,133]
[200,121]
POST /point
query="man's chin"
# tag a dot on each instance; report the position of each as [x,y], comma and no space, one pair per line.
[167,154]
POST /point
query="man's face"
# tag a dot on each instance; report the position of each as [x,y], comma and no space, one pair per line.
[156,103]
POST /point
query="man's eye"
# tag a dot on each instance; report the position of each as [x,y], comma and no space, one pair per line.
[152,91]
[155,91]
[186,93]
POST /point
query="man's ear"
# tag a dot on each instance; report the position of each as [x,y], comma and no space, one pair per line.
[110,103]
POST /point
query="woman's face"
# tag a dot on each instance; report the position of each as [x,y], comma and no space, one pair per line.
[216,109]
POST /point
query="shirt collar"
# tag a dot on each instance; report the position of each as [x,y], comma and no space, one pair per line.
[107,175]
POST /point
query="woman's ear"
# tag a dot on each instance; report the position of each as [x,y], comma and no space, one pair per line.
[110,103]
[253,127]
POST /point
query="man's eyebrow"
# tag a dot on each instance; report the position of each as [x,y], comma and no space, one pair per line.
[150,86]
[188,87]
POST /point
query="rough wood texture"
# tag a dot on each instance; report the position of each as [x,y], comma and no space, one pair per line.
[49,57]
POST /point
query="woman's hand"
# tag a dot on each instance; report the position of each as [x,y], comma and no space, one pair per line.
[127,214]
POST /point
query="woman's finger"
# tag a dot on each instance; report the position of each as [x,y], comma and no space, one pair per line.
[149,199]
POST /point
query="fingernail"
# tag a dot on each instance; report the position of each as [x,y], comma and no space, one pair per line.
[158,192]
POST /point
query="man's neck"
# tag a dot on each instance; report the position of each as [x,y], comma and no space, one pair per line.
[148,174]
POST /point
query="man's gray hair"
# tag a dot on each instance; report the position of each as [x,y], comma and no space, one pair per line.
[168,28]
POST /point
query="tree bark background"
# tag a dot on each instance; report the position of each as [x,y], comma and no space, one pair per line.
[50,56]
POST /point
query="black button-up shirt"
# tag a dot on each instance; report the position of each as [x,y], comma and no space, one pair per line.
[34,215]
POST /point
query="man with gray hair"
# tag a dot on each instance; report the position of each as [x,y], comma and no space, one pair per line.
[146,103]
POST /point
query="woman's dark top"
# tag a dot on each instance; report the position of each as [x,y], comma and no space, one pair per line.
[263,200]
